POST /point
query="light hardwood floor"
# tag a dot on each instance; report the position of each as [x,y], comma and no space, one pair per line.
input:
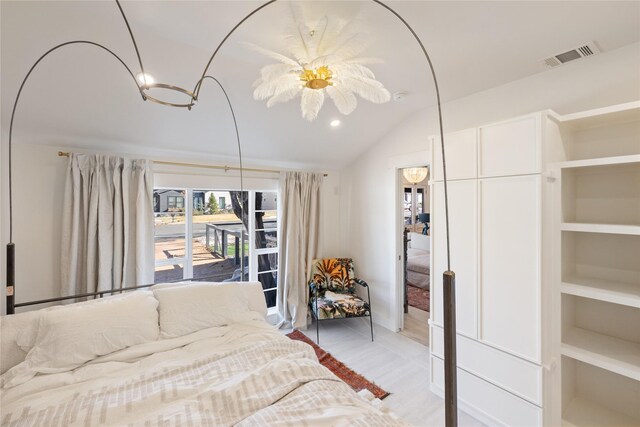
[394,362]
[416,325]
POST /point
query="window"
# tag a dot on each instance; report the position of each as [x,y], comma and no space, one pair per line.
[218,248]
[169,235]
[414,204]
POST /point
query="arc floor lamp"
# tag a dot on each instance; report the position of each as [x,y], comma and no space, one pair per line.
[191,97]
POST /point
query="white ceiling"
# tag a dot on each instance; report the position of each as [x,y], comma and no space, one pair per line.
[79,96]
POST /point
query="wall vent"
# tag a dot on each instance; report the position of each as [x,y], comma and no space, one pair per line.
[587,49]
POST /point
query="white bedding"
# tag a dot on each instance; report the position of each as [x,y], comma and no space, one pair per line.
[245,374]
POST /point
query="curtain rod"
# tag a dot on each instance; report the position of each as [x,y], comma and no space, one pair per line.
[198,165]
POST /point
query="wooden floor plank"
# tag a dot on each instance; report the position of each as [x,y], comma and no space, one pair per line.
[394,362]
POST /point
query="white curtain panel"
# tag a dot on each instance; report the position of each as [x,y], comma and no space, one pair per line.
[107,230]
[299,228]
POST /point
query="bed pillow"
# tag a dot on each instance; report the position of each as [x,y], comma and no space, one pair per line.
[192,307]
[29,331]
[12,327]
[72,335]
[18,334]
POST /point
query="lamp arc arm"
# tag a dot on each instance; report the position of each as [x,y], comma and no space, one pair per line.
[233,116]
[235,125]
[133,39]
[441,128]
[196,90]
[15,105]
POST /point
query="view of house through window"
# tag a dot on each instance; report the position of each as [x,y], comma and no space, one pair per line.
[219,247]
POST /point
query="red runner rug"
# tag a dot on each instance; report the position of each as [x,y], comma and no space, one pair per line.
[418,297]
[353,379]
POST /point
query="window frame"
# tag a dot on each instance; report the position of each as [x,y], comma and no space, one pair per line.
[187,260]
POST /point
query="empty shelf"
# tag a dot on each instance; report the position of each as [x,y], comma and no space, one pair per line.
[603,290]
[606,352]
[632,230]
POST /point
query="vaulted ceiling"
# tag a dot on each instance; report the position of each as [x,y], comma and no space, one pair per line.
[80,96]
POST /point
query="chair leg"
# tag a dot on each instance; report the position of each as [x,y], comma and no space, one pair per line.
[371,323]
[317,330]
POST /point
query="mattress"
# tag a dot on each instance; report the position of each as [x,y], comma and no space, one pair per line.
[243,374]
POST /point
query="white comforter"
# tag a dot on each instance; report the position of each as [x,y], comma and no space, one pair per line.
[245,374]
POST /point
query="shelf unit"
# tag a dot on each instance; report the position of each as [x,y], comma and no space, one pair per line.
[604,351]
[630,230]
[598,276]
[602,289]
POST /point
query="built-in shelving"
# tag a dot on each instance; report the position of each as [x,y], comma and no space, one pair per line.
[606,352]
[600,161]
[603,290]
[598,277]
[582,412]
[595,397]
[630,230]
[606,116]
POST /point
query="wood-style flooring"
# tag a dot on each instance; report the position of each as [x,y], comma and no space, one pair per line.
[416,325]
[394,362]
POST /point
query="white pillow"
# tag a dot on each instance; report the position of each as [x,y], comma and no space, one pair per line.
[72,335]
[27,337]
[191,307]
[12,328]
[18,334]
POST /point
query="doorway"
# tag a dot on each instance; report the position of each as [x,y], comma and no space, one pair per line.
[415,207]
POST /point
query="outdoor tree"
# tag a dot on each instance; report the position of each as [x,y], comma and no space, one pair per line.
[240,204]
[213,204]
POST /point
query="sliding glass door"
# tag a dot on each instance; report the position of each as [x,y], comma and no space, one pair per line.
[219,248]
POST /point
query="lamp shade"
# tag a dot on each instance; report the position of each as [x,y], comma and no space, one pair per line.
[415,175]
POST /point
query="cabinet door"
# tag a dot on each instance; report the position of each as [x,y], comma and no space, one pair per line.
[509,285]
[463,228]
[460,154]
[510,148]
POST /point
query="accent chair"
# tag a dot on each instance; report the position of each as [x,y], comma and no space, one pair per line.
[332,292]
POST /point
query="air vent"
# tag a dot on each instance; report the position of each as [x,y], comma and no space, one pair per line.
[587,49]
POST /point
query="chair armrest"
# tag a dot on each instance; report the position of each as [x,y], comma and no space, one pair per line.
[313,288]
[361,283]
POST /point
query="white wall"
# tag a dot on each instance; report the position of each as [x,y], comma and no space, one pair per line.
[368,221]
[38,190]
[38,185]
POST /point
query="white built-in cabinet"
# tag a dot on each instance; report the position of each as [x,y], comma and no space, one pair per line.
[509,294]
[463,202]
[544,216]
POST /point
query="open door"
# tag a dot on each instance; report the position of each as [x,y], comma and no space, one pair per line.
[416,252]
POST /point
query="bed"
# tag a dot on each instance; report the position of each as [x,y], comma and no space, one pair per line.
[418,263]
[194,354]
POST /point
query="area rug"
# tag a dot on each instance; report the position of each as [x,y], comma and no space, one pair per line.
[353,379]
[418,297]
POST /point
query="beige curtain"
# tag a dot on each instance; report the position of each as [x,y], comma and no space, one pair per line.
[299,228]
[107,230]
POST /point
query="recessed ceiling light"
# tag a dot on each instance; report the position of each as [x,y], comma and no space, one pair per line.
[400,95]
[145,78]
[335,123]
